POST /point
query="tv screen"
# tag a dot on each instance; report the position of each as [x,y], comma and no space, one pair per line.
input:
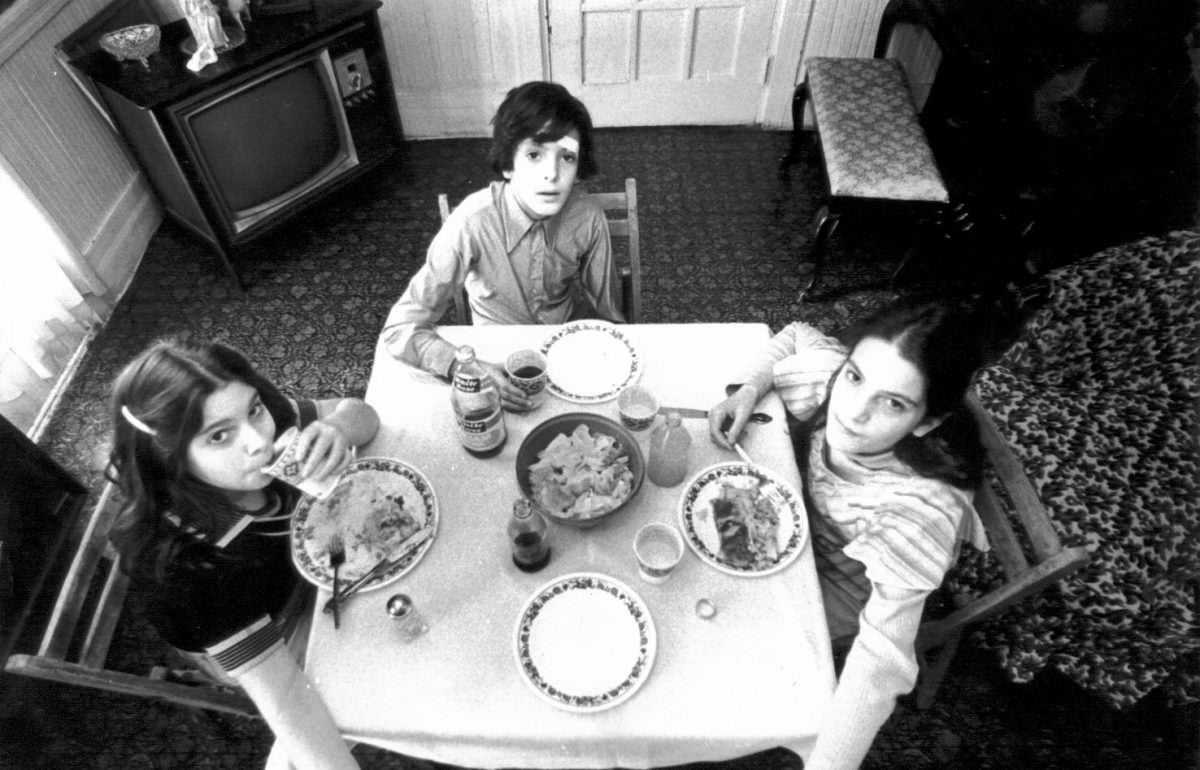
[269,141]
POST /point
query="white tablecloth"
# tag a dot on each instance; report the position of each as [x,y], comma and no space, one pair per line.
[758,675]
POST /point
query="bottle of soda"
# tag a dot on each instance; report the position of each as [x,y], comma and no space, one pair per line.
[527,535]
[670,444]
[476,402]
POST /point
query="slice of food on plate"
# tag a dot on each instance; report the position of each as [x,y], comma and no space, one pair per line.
[748,525]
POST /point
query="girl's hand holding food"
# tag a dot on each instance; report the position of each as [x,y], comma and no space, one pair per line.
[325,450]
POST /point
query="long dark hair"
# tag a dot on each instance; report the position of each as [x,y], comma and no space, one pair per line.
[157,408]
[947,340]
[544,112]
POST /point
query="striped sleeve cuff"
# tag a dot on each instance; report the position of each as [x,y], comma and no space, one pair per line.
[244,650]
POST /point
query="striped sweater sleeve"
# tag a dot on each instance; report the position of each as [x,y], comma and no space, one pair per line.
[880,667]
[797,363]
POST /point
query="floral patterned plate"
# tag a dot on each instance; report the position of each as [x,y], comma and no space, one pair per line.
[700,530]
[377,506]
[585,642]
[589,362]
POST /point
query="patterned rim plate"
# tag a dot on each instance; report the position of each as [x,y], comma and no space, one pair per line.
[377,505]
[585,642]
[700,532]
[590,361]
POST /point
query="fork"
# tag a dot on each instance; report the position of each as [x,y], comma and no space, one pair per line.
[337,557]
[768,490]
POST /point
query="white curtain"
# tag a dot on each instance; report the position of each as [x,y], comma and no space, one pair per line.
[47,312]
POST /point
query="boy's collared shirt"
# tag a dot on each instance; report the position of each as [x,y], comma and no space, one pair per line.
[516,270]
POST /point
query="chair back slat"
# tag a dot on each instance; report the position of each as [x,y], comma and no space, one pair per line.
[1004,541]
[64,618]
[104,619]
[1028,506]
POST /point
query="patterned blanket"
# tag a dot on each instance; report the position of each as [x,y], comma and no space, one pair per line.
[1099,401]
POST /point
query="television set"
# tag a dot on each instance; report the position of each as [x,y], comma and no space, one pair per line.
[255,167]
[236,149]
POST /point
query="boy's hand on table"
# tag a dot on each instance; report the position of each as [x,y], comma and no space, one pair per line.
[512,398]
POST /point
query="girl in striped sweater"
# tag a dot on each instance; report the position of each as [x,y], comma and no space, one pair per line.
[889,460]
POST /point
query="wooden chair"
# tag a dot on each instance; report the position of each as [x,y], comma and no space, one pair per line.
[622,212]
[1031,555]
[74,646]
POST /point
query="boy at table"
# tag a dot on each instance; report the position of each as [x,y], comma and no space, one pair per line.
[519,246]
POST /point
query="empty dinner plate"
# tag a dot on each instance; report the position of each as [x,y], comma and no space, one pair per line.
[585,642]
[590,361]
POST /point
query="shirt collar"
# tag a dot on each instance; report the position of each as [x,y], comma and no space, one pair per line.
[517,223]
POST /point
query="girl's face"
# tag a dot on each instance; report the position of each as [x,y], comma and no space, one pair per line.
[235,441]
[878,398]
[544,173]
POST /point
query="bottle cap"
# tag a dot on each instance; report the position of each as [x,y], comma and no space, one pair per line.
[464,353]
[522,508]
[674,420]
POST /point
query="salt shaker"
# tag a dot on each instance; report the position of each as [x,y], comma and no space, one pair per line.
[408,620]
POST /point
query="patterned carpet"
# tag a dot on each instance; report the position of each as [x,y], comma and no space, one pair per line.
[721,237]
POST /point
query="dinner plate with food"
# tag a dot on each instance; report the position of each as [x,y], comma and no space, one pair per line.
[589,362]
[743,519]
[382,508]
[585,642]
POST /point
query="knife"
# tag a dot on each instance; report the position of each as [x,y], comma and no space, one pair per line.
[413,542]
[702,414]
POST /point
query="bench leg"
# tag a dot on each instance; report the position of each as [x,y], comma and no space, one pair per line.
[799,97]
[827,221]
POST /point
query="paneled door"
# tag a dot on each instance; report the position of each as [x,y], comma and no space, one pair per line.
[663,62]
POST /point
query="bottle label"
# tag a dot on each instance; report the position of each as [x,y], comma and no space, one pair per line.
[482,430]
[468,384]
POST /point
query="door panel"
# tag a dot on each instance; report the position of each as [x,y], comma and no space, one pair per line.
[663,62]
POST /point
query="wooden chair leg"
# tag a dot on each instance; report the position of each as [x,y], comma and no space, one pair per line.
[934,665]
[827,221]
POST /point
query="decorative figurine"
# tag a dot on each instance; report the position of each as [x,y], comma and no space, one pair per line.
[205,23]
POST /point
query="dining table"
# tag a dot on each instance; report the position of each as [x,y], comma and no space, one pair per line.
[755,674]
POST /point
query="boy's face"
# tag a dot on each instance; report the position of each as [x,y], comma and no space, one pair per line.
[544,173]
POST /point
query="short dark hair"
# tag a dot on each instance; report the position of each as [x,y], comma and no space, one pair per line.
[544,112]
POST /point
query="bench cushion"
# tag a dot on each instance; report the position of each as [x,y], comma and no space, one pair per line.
[873,143]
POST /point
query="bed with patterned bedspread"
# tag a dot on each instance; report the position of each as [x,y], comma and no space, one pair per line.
[1099,400]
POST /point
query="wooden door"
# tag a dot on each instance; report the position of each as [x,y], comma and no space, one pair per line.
[663,62]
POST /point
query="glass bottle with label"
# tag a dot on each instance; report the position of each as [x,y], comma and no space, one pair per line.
[477,409]
[528,537]
[670,444]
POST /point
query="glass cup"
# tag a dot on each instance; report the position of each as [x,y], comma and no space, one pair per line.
[527,370]
[658,548]
[637,407]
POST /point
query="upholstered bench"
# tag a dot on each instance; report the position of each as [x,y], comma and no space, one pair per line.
[871,141]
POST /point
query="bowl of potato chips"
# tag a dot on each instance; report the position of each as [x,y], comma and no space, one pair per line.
[580,468]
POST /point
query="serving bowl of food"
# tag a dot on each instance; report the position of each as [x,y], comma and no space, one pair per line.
[580,468]
[136,42]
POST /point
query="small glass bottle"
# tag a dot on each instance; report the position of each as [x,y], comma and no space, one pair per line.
[476,402]
[670,444]
[528,537]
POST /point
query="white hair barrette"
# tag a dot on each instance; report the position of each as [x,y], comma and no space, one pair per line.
[135,422]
